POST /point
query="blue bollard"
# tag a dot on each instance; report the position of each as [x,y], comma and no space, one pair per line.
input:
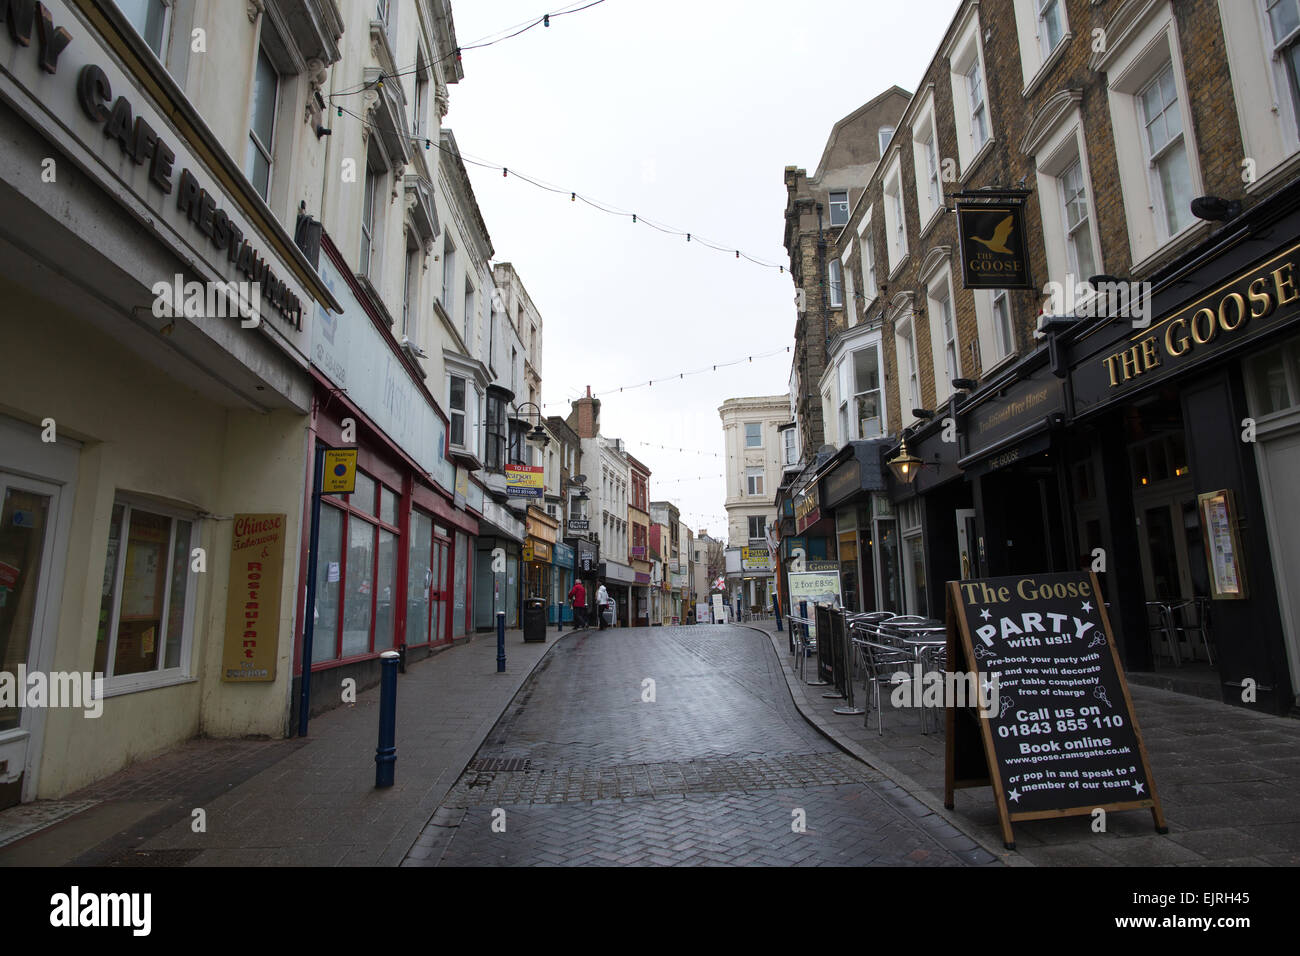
[501,642]
[559,617]
[386,752]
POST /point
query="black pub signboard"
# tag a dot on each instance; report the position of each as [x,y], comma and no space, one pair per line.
[993,245]
[1055,721]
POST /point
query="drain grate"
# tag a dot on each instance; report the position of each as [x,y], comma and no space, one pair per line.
[500,764]
[154,857]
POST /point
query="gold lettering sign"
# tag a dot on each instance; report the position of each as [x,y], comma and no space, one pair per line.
[253,598]
[1226,310]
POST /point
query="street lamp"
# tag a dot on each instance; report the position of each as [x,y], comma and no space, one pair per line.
[537,434]
[905,465]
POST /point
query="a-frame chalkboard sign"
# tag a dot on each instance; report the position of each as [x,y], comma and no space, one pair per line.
[1053,732]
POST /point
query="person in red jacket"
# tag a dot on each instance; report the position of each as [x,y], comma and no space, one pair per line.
[578,599]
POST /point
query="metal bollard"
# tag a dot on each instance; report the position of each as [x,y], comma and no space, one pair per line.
[386,752]
[776,611]
[559,618]
[501,642]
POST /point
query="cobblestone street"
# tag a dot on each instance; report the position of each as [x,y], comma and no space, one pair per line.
[719,768]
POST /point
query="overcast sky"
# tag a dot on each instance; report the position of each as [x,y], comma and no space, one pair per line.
[686,113]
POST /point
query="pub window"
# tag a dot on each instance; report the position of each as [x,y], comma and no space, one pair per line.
[356,576]
[146,602]
[261,128]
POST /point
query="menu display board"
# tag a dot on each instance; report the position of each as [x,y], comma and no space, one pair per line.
[1222,544]
[1059,736]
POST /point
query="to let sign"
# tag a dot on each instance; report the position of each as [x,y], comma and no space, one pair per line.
[1059,734]
[253,599]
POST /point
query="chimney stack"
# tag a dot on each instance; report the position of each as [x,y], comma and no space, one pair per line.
[585,416]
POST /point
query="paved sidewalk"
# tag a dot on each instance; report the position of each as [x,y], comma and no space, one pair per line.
[295,802]
[1226,776]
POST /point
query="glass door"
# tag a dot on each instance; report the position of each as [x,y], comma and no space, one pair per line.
[440,592]
[26,545]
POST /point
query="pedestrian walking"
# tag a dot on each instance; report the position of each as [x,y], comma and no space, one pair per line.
[578,601]
[602,601]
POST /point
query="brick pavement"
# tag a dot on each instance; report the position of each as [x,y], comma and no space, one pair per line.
[711,772]
[1226,776]
[300,801]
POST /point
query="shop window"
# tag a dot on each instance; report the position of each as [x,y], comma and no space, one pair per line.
[146,603]
[261,132]
[150,19]
[357,572]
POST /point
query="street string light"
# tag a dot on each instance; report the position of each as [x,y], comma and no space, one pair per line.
[677,376]
[574,196]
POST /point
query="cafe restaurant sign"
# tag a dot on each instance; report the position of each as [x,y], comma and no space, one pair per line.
[993,245]
[99,104]
[1237,311]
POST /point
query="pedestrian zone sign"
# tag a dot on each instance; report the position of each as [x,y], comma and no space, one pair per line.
[340,476]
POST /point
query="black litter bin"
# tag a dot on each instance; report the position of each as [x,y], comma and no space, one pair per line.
[534,620]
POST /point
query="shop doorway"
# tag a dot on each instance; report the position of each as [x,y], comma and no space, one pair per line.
[1175,579]
[28,519]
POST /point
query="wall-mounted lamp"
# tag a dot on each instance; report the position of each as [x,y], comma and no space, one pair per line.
[965,384]
[1215,209]
[905,465]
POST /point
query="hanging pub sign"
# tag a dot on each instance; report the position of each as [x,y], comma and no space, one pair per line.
[993,245]
[1054,721]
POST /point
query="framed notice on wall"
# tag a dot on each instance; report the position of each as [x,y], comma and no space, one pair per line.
[1222,545]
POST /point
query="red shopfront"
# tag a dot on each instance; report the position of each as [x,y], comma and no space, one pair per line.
[390,567]
[386,574]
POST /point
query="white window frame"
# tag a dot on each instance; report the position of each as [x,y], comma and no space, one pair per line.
[411,288]
[790,446]
[850,293]
[164,41]
[838,205]
[835,283]
[926,163]
[885,134]
[266,150]
[1054,151]
[369,200]
[965,53]
[909,368]
[162,677]
[895,216]
[1143,48]
[1267,111]
[753,480]
[939,295]
[855,427]
[745,433]
[867,242]
[1036,58]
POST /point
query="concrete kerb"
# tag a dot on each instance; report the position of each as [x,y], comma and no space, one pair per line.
[872,760]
